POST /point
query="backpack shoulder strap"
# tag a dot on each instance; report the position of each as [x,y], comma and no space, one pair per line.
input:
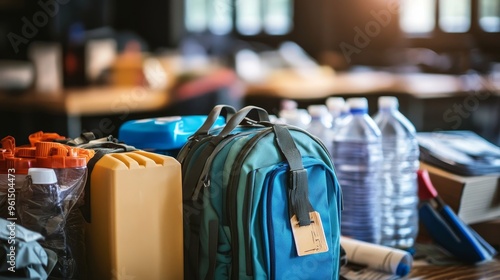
[298,183]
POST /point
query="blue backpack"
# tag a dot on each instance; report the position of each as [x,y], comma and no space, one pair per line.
[261,201]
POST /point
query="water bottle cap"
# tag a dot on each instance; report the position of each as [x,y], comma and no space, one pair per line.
[296,117]
[288,114]
[358,103]
[335,103]
[388,102]
[62,161]
[26,152]
[317,110]
[402,269]
[57,155]
[45,149]
[44,176]
[20,165]
[288,104]
[44,136]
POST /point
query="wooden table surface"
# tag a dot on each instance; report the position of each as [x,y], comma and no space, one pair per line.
[89,101]
[484,271]
[418,85]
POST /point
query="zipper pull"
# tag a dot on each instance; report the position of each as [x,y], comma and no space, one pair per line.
[205,182]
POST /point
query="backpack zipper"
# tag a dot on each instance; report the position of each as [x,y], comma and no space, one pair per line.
[231,206]
[205,173]
[270,225]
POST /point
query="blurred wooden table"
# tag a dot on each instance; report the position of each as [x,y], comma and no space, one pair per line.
[418,85]
[430,101]
[75,103]
[484,271]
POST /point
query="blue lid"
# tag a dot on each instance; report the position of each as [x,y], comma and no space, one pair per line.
[403,269]
[164,133]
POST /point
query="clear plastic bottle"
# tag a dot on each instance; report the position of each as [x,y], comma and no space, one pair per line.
[321,124]
[335,107]
[47,205]
[357,156]
[399,195]
[42,211]
[292,115]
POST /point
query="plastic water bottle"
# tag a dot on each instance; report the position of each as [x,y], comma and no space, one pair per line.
[399,196]
[292,115]
[357,156]
[321,124]
[45,207]
[42,210]
[41,202]
[335,106]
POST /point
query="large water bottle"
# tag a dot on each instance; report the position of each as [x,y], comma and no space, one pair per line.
[357,156]
[399,196]
[321,124]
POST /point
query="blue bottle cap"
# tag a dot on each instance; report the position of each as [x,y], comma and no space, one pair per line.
[402,269]
[358,105]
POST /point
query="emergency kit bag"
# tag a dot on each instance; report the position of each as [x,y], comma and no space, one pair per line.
[260,200]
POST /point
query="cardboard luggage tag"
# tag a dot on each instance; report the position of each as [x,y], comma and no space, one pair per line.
[309,239]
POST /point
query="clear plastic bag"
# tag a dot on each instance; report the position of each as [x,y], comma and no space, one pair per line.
[51,208]
[49,180]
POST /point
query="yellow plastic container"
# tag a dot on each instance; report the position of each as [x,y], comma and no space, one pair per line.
[136,217]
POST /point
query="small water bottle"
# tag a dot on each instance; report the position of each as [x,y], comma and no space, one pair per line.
[39,202]
[320,125]
[399,195]
[42,211]
[357,156]
[292,115]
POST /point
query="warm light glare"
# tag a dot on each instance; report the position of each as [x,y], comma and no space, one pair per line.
[417,16]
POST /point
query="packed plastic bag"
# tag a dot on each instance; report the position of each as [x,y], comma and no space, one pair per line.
[28,260]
